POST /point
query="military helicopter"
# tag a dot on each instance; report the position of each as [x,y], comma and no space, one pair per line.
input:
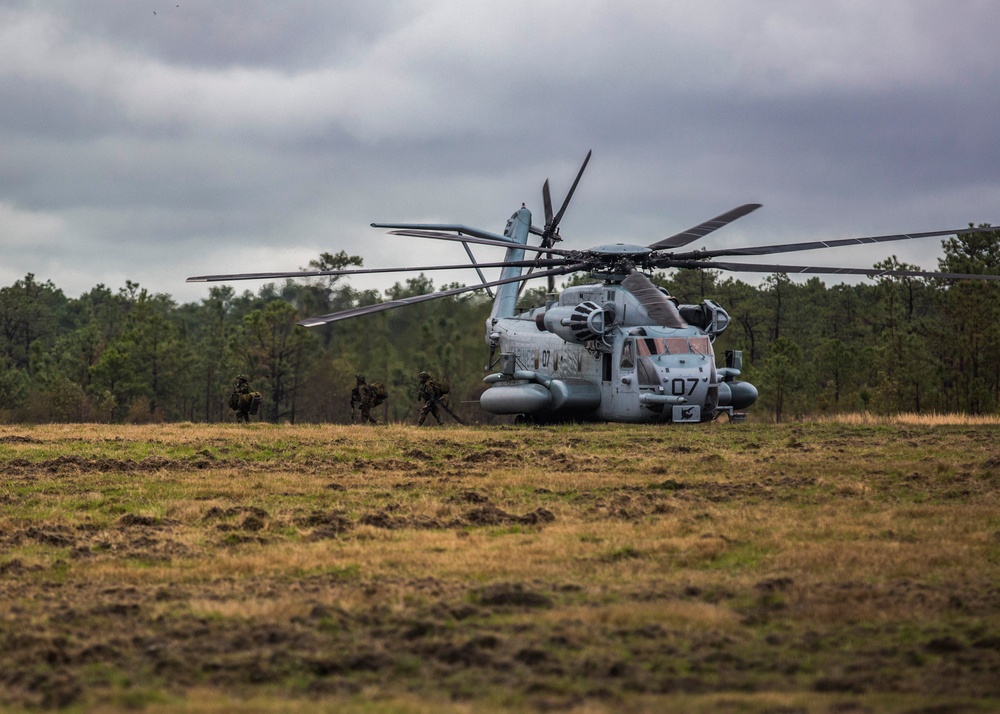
[618,350]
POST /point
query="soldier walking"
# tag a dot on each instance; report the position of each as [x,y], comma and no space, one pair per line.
[430,393]
[242,400]
[362,399]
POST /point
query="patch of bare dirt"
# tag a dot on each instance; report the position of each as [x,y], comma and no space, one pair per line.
[335,523]
[18,439]
[76,464]
[490,515]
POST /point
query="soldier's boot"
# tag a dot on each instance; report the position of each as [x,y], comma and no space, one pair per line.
[420,421]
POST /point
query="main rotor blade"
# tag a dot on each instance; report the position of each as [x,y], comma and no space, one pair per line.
[703,229]
[392,304]
[454,236]
[657,305]
[816,270]
[452,227]
[814,245]
[470,239]
[369,271]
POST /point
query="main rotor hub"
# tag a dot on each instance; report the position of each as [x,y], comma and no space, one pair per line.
[623,250]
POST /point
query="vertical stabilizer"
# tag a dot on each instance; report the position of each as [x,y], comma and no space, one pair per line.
[517,229]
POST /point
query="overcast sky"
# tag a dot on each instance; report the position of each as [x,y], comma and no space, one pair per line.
[152,140]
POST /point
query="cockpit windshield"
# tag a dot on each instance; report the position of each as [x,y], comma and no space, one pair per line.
[702,346]
[647,346]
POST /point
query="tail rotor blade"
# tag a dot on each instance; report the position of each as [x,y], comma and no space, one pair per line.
[551,233]
[562,209]
[547,202]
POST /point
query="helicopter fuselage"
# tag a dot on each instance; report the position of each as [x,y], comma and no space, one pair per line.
[594,355]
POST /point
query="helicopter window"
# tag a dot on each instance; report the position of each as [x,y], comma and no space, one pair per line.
[651,346]
[677,345]
[702,346]
[628,355]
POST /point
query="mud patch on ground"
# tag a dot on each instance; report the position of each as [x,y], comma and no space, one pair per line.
[490,515]
[72,464]
[335,523]
[511,595]
[18,439]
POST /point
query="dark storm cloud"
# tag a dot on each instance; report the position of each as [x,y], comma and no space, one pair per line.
[218,136]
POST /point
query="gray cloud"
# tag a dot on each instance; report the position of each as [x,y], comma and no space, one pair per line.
[226,136]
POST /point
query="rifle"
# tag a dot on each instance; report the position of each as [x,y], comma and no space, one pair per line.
[437,401]
[453,414]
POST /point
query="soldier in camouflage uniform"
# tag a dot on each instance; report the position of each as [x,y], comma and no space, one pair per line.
[363,399]
[430,392]
[241,399]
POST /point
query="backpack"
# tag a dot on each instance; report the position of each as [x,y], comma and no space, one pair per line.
[443,387]
[379,392]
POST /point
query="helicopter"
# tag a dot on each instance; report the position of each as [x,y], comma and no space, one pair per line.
[620,349]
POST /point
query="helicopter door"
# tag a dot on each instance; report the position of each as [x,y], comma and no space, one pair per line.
[625,387]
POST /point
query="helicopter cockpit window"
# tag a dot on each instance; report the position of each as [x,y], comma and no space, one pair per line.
[651,346]
[648,346]
[677,345]
[702,346]
[628,355]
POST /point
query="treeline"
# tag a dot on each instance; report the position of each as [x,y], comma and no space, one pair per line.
[887,346]
[133,356]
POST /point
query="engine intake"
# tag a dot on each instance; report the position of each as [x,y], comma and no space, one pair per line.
[581,324]
[709,316]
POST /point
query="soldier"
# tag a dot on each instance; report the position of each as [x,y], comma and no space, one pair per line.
[430,392]
[363,398]
[241,399]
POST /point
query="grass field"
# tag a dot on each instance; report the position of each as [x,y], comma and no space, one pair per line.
[831,567]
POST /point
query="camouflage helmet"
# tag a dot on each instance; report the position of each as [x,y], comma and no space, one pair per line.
[241,378]
[424,375]
[359,377]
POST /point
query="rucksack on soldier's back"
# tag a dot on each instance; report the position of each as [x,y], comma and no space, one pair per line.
[379,392]
[443,386]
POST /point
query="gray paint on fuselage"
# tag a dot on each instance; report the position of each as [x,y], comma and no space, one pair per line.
[544,352]
[689,375]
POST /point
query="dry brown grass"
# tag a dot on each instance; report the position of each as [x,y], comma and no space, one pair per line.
[849,564]
[924,419]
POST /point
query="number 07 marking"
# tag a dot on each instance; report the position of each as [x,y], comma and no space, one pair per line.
[679,387]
